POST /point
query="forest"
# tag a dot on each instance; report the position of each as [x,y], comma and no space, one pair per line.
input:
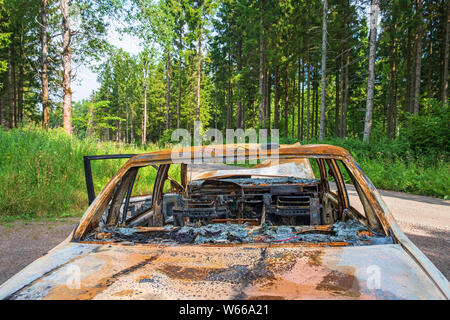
[371,75]
[303,67]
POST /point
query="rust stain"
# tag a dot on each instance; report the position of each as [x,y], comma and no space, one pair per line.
[265,297]
[102,235]
[362,233]
[314,257]
[188,273]
[89,292]
[340,283]
[292,290]
[282,261]
[125,293]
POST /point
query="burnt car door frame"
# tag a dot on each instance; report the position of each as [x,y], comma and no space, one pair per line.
[88,170]
[126,184]
[342,195]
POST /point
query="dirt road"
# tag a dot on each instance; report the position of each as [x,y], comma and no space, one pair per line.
[425,220]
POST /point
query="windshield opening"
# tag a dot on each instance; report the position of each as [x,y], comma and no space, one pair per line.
[284,202]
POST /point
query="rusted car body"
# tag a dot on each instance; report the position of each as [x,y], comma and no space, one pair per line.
[272,231]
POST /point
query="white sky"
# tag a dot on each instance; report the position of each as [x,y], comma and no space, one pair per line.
[86,80]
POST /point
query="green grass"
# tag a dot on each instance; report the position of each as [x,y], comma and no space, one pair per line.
[393,165]
[42,173]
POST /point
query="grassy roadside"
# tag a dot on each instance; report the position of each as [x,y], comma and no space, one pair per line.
[42,174]
[395,166]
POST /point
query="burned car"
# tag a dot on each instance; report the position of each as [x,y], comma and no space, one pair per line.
[280,227]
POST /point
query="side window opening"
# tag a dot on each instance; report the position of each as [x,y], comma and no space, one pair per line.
[334,200]
[145,181]
[354,199]
[367,214]
[141,198]
[134,194]
[155,202]
[173,181]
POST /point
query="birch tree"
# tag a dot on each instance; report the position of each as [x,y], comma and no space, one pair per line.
[324,71]
[67,66]
[374,10]
[44,66]
[418,58]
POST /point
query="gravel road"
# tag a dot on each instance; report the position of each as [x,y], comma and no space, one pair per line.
[425,220]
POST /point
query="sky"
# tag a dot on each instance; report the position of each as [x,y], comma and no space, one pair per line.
[85,80]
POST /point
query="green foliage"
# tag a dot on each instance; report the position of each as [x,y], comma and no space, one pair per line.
[430,131]
[240,45]
[4,36]
[92,118]
[42,173]
[395,165]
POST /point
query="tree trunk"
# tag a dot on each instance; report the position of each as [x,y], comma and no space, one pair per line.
[238,100]
[344,111]
[229,105]
[293,109]
[44,66]
[446,57]
[324,71]
[308,98]
[313,99]
[199,75]
[418,57]
[268,94]
[261,68]
[371,77]
[20,82]
[341,110]
[316,117]
[11,95]
[67,60]
[299,100]
[265,95]
[127,123]
[216,109]
[337,102]
[303,101]
[229,95]
[168,90]
[392,100]
[244,114]
[286,103]
[180,46]
[90,122]
[144,122]
[132,128]
[408,72]
[276,111]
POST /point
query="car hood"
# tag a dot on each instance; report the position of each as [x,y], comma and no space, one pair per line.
[244,271]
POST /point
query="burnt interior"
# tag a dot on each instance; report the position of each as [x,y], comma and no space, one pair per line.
[237,208]
[276,201]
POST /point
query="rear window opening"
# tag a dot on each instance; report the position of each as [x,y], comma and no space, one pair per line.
[230,205]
